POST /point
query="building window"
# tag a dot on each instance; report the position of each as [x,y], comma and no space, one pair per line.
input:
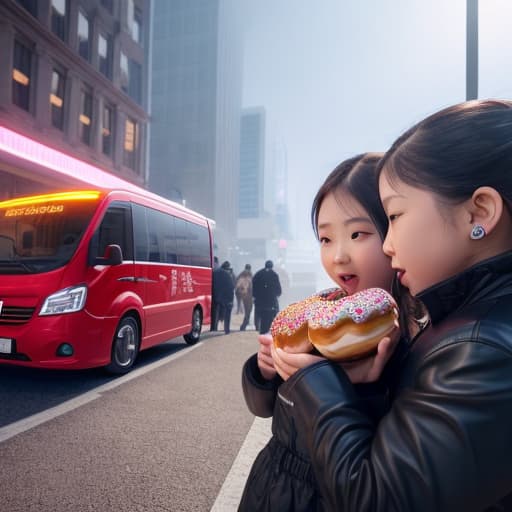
[105,52]
[125,75]
[106,130]
[59,18]
[131,78]
[30,6]
[57,99]
[137,25]
[21,76]
[135,81]
[85,118]
[84,28]
[130,143]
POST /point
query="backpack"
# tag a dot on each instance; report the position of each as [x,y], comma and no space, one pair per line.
[243,285]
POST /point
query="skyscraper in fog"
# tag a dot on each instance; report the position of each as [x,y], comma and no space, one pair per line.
[252,163]
[195,108]
[262,189]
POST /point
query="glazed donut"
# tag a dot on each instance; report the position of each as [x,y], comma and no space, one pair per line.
[290,326]
[351,328]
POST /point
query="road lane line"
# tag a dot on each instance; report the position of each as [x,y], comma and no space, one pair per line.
[230,493]
[39,418]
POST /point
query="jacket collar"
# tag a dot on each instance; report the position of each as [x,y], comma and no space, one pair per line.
[468,286]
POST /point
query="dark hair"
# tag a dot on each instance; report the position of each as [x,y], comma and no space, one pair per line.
[456,150]
[269,264]
[358,177]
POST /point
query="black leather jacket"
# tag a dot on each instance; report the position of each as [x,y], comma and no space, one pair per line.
[445,444]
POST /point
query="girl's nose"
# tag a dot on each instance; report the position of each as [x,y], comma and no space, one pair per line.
[341,256]
[387,247]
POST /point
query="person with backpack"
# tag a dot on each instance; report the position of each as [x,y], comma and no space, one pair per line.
[243,290]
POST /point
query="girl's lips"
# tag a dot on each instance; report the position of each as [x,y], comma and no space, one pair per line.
[400,275]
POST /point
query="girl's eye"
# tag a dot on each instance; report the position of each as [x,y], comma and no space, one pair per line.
[324,240]
[358,234]
[393,217]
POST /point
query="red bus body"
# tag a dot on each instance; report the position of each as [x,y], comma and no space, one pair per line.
[158,291]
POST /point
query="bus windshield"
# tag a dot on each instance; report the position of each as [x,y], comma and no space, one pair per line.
[41,233]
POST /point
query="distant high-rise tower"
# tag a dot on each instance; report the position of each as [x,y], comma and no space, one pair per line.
[195,108]
[252,163]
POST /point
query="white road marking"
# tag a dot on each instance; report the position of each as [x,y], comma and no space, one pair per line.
[30,422]
[230,493]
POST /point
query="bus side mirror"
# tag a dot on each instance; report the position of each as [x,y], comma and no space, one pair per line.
[113,256]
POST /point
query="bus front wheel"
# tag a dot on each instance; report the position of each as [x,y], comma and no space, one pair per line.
[197,324]
[125,346]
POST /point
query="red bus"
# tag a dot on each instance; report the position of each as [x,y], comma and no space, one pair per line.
[97,270]
[91,277]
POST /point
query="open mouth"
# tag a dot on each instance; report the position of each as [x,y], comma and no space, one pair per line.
[349,283]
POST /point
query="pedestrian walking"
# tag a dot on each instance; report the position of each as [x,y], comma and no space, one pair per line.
[266,288]
[243,290]
[223,295]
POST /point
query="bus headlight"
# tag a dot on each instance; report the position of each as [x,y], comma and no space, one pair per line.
[68,300]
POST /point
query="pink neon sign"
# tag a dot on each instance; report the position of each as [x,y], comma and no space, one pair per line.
[28,149]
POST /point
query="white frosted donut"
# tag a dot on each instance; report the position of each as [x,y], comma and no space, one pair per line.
[351,327]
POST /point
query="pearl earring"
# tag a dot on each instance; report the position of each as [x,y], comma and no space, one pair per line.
[478,232]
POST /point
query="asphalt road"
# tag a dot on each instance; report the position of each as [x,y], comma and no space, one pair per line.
[162,438]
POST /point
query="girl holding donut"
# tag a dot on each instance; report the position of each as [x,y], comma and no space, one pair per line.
[350,224]
[445,443]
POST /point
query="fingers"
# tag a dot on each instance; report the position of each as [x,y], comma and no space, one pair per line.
[265,359]
[380,360]
[265,340]
[287,363]
[385,350]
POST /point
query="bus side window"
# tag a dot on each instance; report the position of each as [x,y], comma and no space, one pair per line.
[168,231]
[199,245]
[140,233]
[182,241]
[115,228]
[161,235]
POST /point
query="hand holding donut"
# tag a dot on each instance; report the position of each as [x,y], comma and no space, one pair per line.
[341,328]
[264,357]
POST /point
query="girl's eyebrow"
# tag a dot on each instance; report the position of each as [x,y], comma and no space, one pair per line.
[354,220]
[386,200]
[347,222]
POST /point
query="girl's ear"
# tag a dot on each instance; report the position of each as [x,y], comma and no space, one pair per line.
[485,208]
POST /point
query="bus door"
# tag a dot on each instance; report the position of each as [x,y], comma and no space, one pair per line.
[154,254]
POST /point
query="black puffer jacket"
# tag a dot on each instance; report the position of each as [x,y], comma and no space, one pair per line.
[446,442]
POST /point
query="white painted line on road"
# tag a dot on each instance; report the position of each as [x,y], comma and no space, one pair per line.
[30,422]
[230,493]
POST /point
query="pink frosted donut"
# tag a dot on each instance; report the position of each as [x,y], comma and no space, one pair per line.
[290,326]
[351,328]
